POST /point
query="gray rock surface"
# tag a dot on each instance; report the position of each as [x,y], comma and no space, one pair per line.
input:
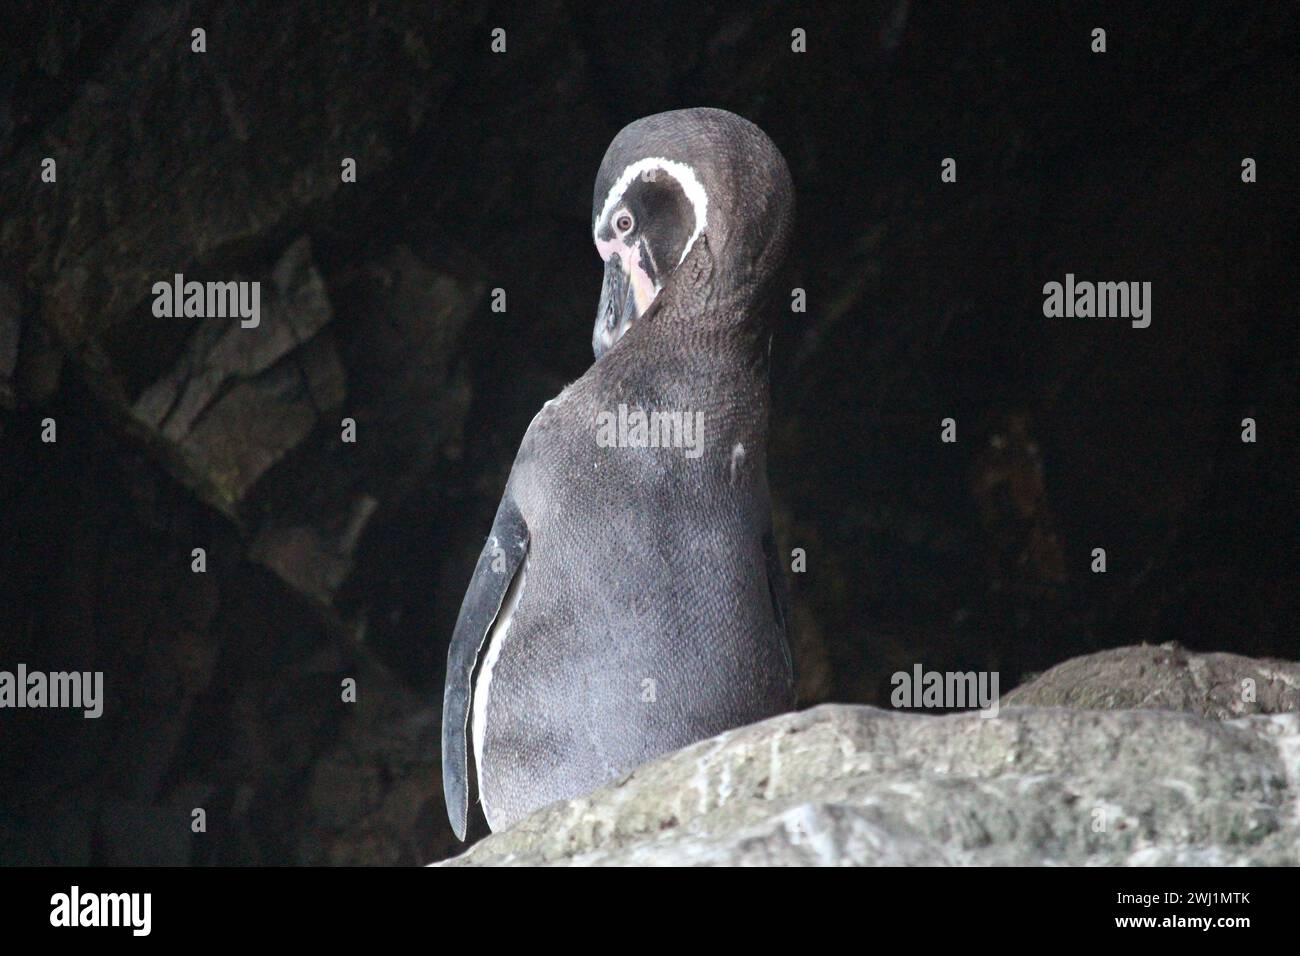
[1166,677]
[851,785]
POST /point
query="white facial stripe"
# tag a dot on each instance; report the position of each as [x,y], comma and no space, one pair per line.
[685,177]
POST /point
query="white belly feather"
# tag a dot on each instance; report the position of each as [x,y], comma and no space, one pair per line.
[483,682]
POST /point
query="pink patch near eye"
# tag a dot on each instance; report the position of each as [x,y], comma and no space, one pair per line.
[607,248]
[643,290]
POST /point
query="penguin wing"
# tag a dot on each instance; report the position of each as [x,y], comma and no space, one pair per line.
[779,591]
[497,566]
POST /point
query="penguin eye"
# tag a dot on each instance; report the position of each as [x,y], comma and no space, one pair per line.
[623,223]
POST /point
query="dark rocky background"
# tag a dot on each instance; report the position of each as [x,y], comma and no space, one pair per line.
[329,560]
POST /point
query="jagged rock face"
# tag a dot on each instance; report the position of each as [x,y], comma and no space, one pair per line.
[845,785]
[230,407]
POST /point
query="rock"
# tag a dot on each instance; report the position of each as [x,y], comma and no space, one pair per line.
[313,560]
[375,796]
[296,308]
[228,156]
[1166,677]
[259,421]
[850,785]
[239,399]
[407,315]
[401,321]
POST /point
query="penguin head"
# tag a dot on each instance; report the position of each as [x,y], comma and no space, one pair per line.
[669,181]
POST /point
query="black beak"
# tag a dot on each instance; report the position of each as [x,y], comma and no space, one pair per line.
[617,307]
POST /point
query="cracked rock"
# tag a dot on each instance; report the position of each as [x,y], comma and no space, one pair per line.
[239,399]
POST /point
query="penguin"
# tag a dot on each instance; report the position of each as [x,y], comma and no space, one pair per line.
[629,600]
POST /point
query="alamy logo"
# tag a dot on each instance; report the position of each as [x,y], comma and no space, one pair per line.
[1101,300]
[73,689]
[209,300]
[950,690]
[635,428]
[76,908]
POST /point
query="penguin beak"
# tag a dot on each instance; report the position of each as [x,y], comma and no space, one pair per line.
[617,308]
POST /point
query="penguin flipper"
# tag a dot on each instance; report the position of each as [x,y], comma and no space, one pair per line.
[497,566]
